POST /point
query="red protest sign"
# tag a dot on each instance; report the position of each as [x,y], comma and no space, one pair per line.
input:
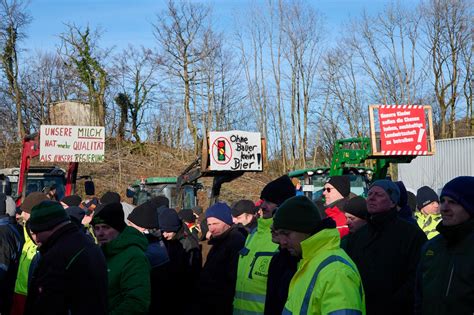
[402,130]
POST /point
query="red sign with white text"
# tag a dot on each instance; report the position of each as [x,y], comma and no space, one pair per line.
[402,130]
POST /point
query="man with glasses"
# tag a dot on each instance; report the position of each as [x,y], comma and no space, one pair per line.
[336,192]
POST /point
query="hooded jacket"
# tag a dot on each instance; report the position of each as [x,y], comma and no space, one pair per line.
[128,273]
[327,280]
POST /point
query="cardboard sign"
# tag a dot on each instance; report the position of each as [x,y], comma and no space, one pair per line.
[402,130]
[235,151]
[60,143]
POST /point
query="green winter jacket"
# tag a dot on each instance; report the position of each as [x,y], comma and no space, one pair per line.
[445,279]
[128,273]
[252,272]
[327,280]
[428,223]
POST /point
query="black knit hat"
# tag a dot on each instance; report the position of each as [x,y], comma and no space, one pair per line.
[160,201]
[424,196]
[297,214]
[279,190]
[110,197]
[110,214]
[144,216]
[357,206]
[169,220]
[72,200]
[46,215]
[461,189]
[342,184]
[243,206]
[187,215]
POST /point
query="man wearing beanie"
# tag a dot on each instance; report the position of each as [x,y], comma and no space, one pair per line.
[386,252]
[128,268]
[327,280]
[427,216]
[447,260]
[144,218]
[356,213]
[218,276]
[27,253]
[69,263]
[255,258]
[336,192]
[185,261]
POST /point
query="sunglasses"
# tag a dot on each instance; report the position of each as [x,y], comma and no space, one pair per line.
[328,189]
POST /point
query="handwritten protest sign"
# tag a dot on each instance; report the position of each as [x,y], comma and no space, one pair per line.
[72,143]
[402,129]
[235,151]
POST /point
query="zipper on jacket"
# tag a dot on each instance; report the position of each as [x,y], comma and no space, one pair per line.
[450,280]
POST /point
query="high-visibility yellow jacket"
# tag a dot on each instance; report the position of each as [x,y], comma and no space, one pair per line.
[252,272]
[428,223]
[327,280]
[27,254]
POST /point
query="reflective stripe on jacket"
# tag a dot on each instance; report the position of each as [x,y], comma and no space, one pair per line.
[252,272]
[327,280]
[27,254]
[428,223]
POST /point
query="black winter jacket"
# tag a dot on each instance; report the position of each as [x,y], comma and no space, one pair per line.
[219,274]
[386,252]
[446,272]
[71,277]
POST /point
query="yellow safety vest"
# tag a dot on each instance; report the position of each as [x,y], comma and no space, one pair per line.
[27,253]
[327,280]
[428,223]
[252,272]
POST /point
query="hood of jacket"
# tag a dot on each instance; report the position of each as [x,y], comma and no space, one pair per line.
[129,237]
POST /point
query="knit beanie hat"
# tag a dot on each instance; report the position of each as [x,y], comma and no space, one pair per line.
[243,206]
[76,212]
[46,215]
[32,200]
[169,220]
[110,197]
[461,189]
[279,190]
[72,200]
[144,216]
[357,206]
[221,211]
[160,201]
[424,196]
[297,214]
[187,215]
[89,188]
[110,214]
[342,184]
[390,188]
[403,194]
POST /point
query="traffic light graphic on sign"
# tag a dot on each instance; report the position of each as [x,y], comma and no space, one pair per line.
[221,150]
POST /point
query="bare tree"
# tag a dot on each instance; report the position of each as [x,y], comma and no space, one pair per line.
[135,74]
[179,31]
[13,19]
[82,54]
[447,29]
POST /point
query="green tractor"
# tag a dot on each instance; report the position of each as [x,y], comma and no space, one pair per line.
[182,197]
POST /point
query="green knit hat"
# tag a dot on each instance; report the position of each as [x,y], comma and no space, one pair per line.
[297,214]
[46,216]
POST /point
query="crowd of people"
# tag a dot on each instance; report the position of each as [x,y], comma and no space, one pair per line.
[394,252]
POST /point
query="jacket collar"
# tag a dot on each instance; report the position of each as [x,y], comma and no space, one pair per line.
[323,240]
[456,233]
